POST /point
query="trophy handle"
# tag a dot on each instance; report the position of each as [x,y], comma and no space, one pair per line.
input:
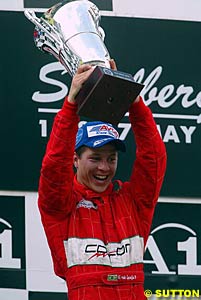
[102,33]
[95,14]
[48,39]
[44,25]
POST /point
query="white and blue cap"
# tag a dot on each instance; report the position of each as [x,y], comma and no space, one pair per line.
[96,134]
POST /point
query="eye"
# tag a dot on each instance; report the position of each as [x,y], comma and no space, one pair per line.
[112,159]
[95,158]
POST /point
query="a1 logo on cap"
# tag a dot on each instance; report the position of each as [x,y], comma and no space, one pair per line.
[102,129]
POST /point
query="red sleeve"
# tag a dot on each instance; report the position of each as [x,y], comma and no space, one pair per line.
[150,164]
[55,185]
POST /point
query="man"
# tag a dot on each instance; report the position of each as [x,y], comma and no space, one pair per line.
[96,229]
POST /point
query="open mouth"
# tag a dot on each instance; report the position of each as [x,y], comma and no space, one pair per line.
[101,177]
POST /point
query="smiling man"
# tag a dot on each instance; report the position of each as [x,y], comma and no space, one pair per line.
[96,155]
[96,228]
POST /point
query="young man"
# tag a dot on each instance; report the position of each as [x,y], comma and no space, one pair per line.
[97,229]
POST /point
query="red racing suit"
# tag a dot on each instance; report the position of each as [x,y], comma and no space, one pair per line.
[97,240]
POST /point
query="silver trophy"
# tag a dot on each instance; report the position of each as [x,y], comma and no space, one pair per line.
[70,31]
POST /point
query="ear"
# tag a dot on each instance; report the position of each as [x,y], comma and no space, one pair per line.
[75,160]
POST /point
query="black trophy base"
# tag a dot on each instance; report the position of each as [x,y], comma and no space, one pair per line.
[107,95]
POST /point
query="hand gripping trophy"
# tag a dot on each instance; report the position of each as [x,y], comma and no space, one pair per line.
[70,31]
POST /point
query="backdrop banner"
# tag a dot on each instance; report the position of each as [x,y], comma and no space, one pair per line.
[102,4]
[163,55]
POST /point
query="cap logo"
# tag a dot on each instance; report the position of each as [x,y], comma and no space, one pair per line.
[103,129]
[98,142]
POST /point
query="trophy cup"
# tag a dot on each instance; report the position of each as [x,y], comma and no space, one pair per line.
[70,31]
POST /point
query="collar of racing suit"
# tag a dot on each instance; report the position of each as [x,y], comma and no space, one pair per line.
[90,194]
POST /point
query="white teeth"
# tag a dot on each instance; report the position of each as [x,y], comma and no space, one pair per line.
[101,177]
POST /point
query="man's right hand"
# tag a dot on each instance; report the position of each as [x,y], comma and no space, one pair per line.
[82,74]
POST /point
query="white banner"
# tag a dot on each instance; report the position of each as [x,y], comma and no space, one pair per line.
[167,9]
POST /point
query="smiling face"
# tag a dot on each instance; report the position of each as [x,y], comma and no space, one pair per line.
[96,167]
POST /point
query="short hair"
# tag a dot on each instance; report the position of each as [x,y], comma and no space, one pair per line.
[82,149]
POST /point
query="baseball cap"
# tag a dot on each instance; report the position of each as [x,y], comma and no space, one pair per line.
[96,134]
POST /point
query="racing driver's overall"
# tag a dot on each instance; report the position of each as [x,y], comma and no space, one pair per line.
[97,240]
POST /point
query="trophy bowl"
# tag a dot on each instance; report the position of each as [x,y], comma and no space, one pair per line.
[70,31]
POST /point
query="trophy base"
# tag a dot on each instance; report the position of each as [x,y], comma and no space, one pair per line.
[107,95]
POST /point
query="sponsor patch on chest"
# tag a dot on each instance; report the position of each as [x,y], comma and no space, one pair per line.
[86,204]
[93,251]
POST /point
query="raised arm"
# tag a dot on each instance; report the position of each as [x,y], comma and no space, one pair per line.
[150,164]
[56,180]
